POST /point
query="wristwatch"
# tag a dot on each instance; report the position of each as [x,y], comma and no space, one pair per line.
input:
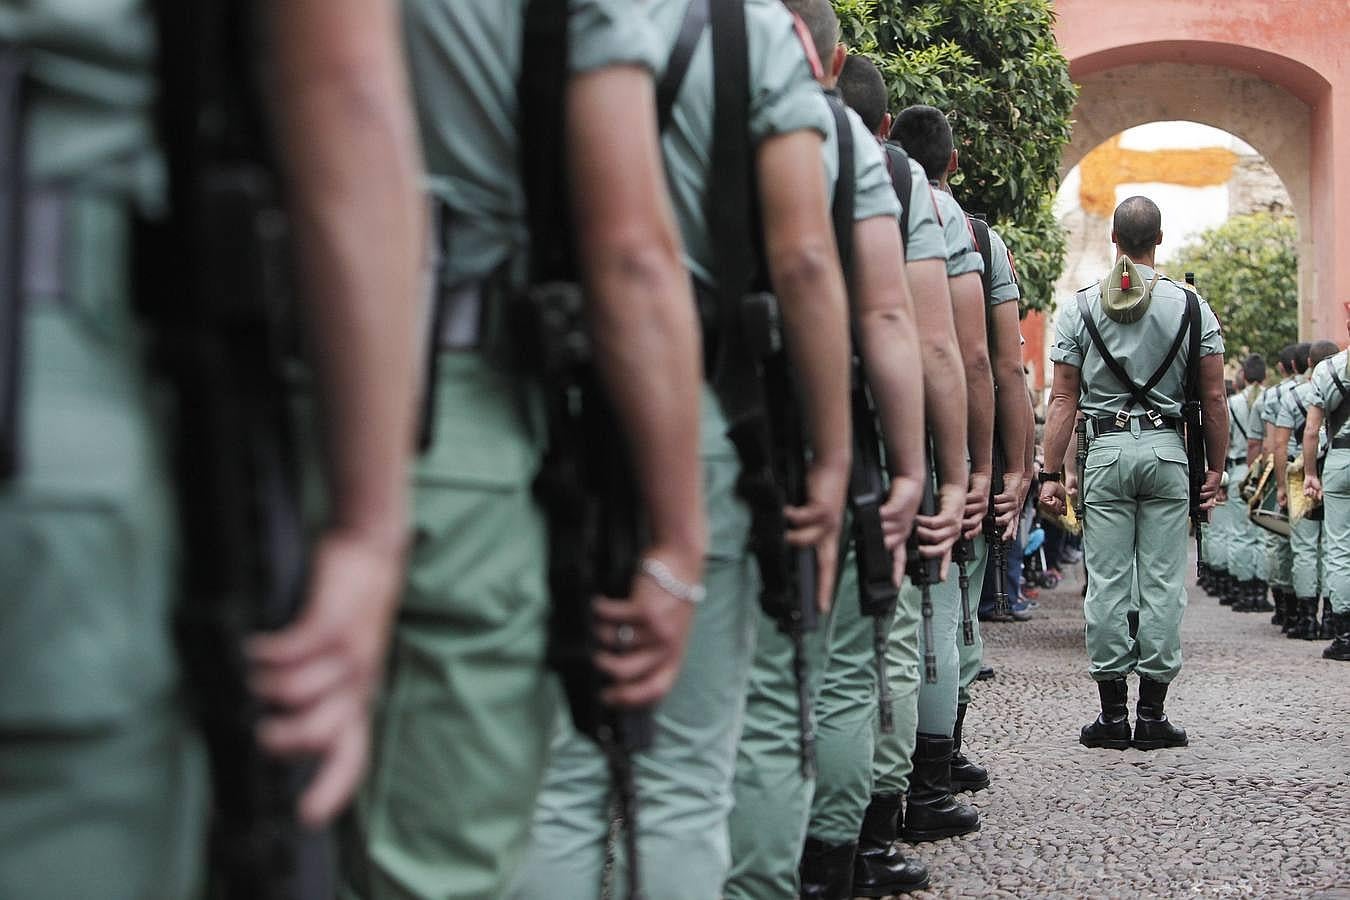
[1056,477]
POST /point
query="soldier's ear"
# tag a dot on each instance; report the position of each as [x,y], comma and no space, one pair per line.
[955,162]
[886,121]
[837,61]
[1115,240]
[1158,243]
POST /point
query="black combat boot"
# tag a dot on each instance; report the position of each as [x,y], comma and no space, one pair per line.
[1340,647]
[1152,731]
[1307,619]
[1236,596]
[933,812]
[1221,588]
[1112,728]
[1202,576]
[1292,613]
[826,870]
[1256,596]
[966,775]
[1327,630]
[1280,611]
[880,869]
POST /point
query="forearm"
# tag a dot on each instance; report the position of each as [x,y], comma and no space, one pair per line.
[1216,430]
[968,313]
[1311,432]
[348,145]
[1059,422]
[944,382]
[1029,418]
[1013,412]
[1281,459]
[1253,451]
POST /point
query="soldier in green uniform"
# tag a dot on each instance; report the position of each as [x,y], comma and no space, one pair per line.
[1245,547]
[1279,560]
[1217,532]
[105,794]
[1135,480]
[1305,536]
[881,867]
[467,705]
[684,783]
[1329,414]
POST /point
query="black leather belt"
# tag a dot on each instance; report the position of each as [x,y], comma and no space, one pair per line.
[1341,443]
[1114,425]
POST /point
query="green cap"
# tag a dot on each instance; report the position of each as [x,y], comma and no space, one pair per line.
[1125,297]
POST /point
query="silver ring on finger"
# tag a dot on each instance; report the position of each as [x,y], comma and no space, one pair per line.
[624,636]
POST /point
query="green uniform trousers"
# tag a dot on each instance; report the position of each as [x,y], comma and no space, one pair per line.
[1279,561]
[972,655]
[102,778]
[892,754]
[684,781]
[1246,541]
[1336,528]
[1305,553]
[846,713]
[1136,498]
[462,728]
[1215,547]
[937,699]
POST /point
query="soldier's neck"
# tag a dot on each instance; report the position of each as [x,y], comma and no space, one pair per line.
[1144,259]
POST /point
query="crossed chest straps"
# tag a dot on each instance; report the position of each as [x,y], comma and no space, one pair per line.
[1139,396]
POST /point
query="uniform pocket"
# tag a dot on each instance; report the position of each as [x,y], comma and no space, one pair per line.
[1171,478]
[1336,472]
[1101,473]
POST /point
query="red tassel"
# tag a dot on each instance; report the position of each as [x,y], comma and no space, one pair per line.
[1125,279]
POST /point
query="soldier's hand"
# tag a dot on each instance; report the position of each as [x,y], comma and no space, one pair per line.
[319,676]
[1281,496]
[897,519]
[1209,491]
[937,534]
[817,522]
[643,638]
[1312,488]
[1054,497]
[1008,505]
[977,505]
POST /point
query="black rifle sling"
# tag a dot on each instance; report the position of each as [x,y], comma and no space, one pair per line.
[902,179]
[986,248]
[1139,395]
[543,79]
[677,65]
[1190,323]
[1237,420]
[1336,420]
[13,82]
[845,186]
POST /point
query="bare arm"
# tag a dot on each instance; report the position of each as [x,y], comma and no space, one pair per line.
[1282,436]
[969,315]
[804,267]
[1214,402]
[944,395]
[1312,481]
[641,312]
[347,145]
[1012,413]
[884,313]
[1059,422]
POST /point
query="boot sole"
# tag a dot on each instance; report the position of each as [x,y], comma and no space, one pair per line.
[969,787]
[936,834]
[1107,745]
[1157,745]
[892,890]
[1339,657]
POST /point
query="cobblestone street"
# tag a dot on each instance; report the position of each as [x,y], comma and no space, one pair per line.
[1258,805]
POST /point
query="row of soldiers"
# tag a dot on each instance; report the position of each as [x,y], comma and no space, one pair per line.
[641,215]
[1281,538]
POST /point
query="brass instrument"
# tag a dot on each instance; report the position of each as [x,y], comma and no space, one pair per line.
[1251,481]
[1264,508]
[1300,505]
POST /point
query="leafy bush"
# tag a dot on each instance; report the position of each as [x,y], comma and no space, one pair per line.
[1247,268]
[994,68]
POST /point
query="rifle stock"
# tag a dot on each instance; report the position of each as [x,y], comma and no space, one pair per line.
[13,188]
[924,572]
[998,547]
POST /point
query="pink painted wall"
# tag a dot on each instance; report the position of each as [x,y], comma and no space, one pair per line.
[1301,45]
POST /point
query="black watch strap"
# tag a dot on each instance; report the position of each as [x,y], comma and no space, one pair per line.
[1056,477]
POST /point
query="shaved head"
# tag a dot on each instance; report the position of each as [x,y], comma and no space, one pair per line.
[1137,226]
[926,135]
[862,88]
[821,23]
[1320,350]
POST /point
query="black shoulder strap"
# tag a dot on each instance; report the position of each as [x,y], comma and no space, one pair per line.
[1191,323]
[902,179]
[986,246]
[545,45]
[845,186]
[1236,419]
[1139,395]
[681,55]
[1336,420]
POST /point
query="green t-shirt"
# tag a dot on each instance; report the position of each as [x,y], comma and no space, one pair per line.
[90,118]
[1326,393]
[1239,430]
[464,57]
[873,193]
[783,98]
[1139,347]
[1293,412]
[963,254]
[1003,280]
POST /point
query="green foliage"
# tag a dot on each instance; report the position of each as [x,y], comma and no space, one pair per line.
[1247,268]
[994,68]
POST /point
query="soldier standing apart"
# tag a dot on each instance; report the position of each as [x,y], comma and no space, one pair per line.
[468,704]
[1245,547]
[1329,414]
[1279,559]
[880,867]
[684,782]
[1305,535]
[113,799]
[1133,331]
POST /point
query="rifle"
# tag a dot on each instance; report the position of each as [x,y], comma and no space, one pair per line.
[1192,414]
[963,554]
[13,150]
[585,484]
[924,572]
[998,548]
[217,276]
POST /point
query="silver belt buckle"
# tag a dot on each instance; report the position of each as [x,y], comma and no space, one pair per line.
[1155,417]
[1122,419]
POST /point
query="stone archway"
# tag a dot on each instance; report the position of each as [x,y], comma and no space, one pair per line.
[1278,81]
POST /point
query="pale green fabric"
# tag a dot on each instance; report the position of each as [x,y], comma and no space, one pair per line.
[462,729]
[893,753]
[684,780]
[1003,279]
[1305,557]
[1256,426]
[1292,413]
[1326,394]
[963,254]
[1279,560]
[785,98]
[1135,511]
[926,239]
[937,699]
[972,655]
[464,57]
[1214,547]
[1336,527]
[1139,347]
[1239,415]
[874,195]
[1273,401]
[1245,545]
[104,782]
